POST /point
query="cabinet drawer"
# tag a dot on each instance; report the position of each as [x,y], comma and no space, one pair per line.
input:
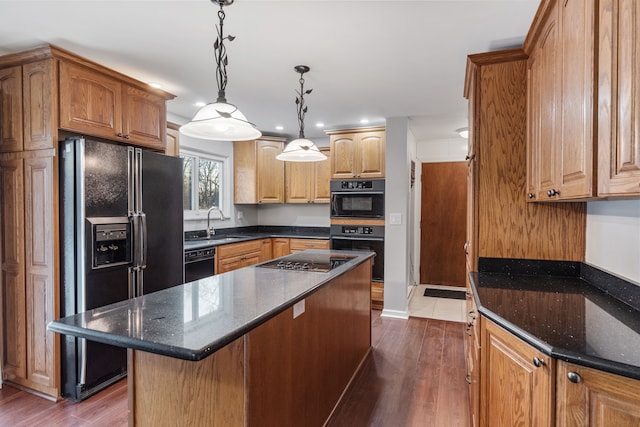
[296,245]
[235,249]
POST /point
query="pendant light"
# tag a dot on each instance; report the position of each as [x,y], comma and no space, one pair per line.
[301,149]
[221,120]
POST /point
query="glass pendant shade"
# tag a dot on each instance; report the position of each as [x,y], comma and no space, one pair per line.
[301,150]
[220,121]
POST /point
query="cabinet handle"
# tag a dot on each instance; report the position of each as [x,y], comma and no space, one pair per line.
[470,157]
[574,377]
[472,314]
[531,196]
[127,137]
[553,192]
[538,362]
[468,330]
[466,247]
[467,378]
[119,135]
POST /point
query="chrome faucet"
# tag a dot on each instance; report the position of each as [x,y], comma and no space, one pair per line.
[210,230]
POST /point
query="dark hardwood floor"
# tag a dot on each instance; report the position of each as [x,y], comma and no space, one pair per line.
[414,377]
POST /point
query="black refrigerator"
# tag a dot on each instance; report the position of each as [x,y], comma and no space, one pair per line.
[121,237]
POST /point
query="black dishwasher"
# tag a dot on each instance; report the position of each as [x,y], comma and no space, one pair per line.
[199,263]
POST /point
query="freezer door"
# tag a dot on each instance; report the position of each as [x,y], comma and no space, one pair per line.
[161,222]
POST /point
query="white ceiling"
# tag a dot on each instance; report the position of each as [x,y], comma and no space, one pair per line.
[368,59]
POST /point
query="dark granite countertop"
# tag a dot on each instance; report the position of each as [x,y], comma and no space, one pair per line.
[193,320]
[223,236]
[560,311]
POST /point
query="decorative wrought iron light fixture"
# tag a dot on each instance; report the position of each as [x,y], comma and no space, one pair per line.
[221,120]
[301,149]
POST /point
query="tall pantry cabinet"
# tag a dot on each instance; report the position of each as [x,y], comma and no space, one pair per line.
[32,92]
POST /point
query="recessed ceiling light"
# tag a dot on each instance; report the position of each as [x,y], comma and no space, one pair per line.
[200,104]
[155,85]
[279,127]
[319,125]
[364,121]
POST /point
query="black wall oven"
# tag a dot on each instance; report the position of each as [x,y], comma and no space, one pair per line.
[356,237]
[357,199]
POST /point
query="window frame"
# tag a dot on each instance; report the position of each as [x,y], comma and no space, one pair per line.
[225,184]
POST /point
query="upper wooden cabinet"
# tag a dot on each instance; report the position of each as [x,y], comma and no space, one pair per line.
[47,89]
[258,175]
[517,381]
[583,108]
[357,153]
[173,140]
[308,182]
[99,105]
[618,98]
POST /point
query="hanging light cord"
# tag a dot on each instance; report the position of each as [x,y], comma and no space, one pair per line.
[221,52]
[302,109]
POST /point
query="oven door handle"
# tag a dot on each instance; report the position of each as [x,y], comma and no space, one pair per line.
[357,193]
[372,239]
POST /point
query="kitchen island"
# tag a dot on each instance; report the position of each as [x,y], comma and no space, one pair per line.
[254,346]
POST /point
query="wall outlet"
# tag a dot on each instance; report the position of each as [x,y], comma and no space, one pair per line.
[395,218]
[298,309]
[239,214]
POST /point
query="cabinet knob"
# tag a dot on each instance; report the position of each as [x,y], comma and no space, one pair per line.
[470,157]
[127,137]
[472,314]
[531,196]
[553,192]
[574,377]
[468,330]
[538,362]
[119,135]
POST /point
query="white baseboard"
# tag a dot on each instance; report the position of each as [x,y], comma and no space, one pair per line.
[396,314]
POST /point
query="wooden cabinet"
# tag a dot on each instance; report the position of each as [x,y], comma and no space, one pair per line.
[377,295]
[583,107]
[357,153]
[472,352]
[308,182]
[97,104]
[237,255]
[30,297]
[173,140]
[258,175]
[560,108]
[266,252]
[297,245]
[618,98]
[503,224]
[588,397]
[517,381]
[280,246]
[27,107]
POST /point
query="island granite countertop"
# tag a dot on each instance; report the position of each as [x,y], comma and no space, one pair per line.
[193,320]
[565,310]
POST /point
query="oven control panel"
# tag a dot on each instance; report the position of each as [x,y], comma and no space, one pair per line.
[357,231]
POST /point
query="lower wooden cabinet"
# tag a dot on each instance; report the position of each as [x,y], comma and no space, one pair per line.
[267,250]
[472,351]
[377,295]
[517,381]
[298,245]
[280,246]
[588,397]
[237,255]
[28,226]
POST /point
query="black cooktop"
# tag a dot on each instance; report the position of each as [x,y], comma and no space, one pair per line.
[315,262]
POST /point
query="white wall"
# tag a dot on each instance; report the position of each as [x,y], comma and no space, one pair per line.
[613,237]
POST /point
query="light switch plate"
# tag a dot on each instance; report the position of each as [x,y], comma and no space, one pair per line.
[298,308]
[395,218]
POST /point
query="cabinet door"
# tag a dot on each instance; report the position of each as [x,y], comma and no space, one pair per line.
[588,397]
[39,104]
[40,221]
[173,142]
[514,390]
[322,179]
[143,118]
[577,53]
[343,156]
[534,111]
[298,177]
[90,102]
[266,253]
[270,172]
[280,246]
[619,98]
[547,144]
[14,352]
[371,152]
[11,109]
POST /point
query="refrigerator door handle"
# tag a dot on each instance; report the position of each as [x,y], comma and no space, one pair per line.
[138,181]
[139,282]
[137,249]
[143,240]
[83,360]
[131,173]
[131,283]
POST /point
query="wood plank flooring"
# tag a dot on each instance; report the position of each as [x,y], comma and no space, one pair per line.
[414,377]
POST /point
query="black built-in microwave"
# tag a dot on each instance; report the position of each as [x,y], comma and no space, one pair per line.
[357,198]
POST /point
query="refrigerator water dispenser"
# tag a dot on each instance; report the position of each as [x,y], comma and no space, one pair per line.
[111,244]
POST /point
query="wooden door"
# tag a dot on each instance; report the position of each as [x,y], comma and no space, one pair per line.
[343,156]
[143,118]
[39,105]
[270,172]
[298,176]
[280,246]
[443,223]
[371,155]
[322,178]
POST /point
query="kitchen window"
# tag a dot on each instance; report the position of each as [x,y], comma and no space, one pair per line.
[205,182]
